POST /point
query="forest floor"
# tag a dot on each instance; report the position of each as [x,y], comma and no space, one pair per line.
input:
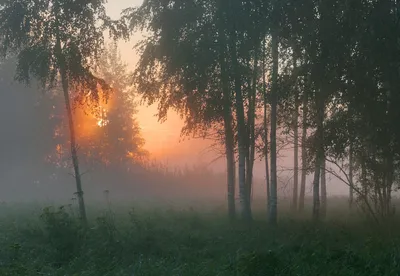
[124,241]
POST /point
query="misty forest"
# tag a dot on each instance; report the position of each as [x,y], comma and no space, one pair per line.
[293,100]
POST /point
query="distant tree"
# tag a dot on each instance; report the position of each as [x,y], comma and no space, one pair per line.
[120,134]
[57,40]
[110,135]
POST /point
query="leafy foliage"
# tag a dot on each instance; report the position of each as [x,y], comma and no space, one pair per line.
[343,56]
[108,133]
[49,36]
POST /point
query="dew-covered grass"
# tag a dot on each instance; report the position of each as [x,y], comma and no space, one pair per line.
[190,241]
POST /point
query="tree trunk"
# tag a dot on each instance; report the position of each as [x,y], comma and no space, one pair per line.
[273,212]
[296,142]
[251,129]
[364,180]
[228,119]
[74,153]
[245,206]
[351,189]
[249,175]
[389,184]
[266,133]
[316,200]
[230,163]
[249,168]
[323,190]
[243,191]
[303,153]
[319,158]
[380,195]
[267,179]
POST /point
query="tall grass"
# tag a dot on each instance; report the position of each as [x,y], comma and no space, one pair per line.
[137,241]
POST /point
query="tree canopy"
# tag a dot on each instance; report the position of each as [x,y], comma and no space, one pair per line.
[338,59]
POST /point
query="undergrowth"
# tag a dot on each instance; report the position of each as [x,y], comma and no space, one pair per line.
[137,242]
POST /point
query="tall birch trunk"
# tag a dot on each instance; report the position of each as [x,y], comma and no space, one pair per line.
[303,153]
[323,162]
[245,206]
[351,188]
[267,177]
[296,141]
[364,180]
[323,189]
[266,132]
[251,129]
[74,153]
[230,163]
[388,185]
[228,119]
[273,212]
[316,199]
[319,158]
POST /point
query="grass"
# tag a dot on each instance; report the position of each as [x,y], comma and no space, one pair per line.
[126,241]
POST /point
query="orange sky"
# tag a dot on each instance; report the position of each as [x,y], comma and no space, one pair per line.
[162,140]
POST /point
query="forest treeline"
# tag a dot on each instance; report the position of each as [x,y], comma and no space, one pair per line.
[36,161]
[325,73]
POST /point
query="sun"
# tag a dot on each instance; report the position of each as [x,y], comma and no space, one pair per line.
[102,121]
[90,120]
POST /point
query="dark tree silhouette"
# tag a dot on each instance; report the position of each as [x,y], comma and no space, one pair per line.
[57,40]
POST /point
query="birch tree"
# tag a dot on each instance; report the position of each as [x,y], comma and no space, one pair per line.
[208,77]
[273,211]
[57,40]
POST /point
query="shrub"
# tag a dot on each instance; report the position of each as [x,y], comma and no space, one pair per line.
[63,233]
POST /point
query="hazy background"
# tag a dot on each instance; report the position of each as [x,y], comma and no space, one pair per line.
[25,135]
[159,135]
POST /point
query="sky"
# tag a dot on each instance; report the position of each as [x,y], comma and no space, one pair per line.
[163,139]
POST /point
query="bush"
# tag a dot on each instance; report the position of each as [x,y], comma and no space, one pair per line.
[63,233]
